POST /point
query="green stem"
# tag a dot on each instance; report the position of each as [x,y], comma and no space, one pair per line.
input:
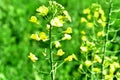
[106,38]
[51,55]
[92,54]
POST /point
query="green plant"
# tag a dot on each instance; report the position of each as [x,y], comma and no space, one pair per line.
[97,61]
[53,34]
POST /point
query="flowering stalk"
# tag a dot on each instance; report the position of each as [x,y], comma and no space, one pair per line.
[51,56]
[106,38]
[55,16]
[92,54]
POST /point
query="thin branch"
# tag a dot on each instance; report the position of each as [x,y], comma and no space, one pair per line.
[51,56]
[106,37]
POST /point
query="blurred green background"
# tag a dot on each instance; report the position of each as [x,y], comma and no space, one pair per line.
[15,42]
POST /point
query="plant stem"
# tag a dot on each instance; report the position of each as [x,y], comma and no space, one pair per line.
[106,37]
[51,55]
[92,54]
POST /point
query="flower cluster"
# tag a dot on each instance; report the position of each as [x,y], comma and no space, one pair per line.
[42,10]
[56,16]
[41,36]
[94,13]
[91,59]
[111,66]
[96,59]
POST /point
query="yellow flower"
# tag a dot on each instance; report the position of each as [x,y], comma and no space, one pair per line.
[118,75]
[101,11]
[33,19]
[89,17]
[66,37]
[103,24]
[35,37]
[57,44]
[100,33]
[84,49]
[60,52]
[83,32]
[88,63]
[70,58]
[68,30]
[57,22]
[104,72]
[116,64]
[74,56]
[97,70]
[84,38]
[91,44]
[42,10]
[90,24]
[103,18]
[43,36]
[32,57]
[80,66]
[48,27]
[86,11]
[67,15]
[83,20]
[100,21]
[112,69]
[97,59]
[96,14]
[109,77]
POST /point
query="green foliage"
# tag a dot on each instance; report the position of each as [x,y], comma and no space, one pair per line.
[15,42]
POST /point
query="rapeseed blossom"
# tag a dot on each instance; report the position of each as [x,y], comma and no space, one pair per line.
[88,63]
[101,11]
[86,11]
[71,57]
[100,33]
[109,77]
[112,69]
[83,20]
[96,14]
[42,10]
[68,30]
[33,19]
[84,38]
[100,21]
[83,32]
[67,15]
[90,24]
[97,59]
[60,52]
[32,57]
[97,70]
[66,37]
[103,24]
[103,18]
[57,22]
[104,72]
[89,16]
[43,36]
[35,37]
[84,49]
[48,27]
[116,64]
[80,66]
[57,44]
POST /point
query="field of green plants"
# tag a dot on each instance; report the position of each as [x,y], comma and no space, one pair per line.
[59,40]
